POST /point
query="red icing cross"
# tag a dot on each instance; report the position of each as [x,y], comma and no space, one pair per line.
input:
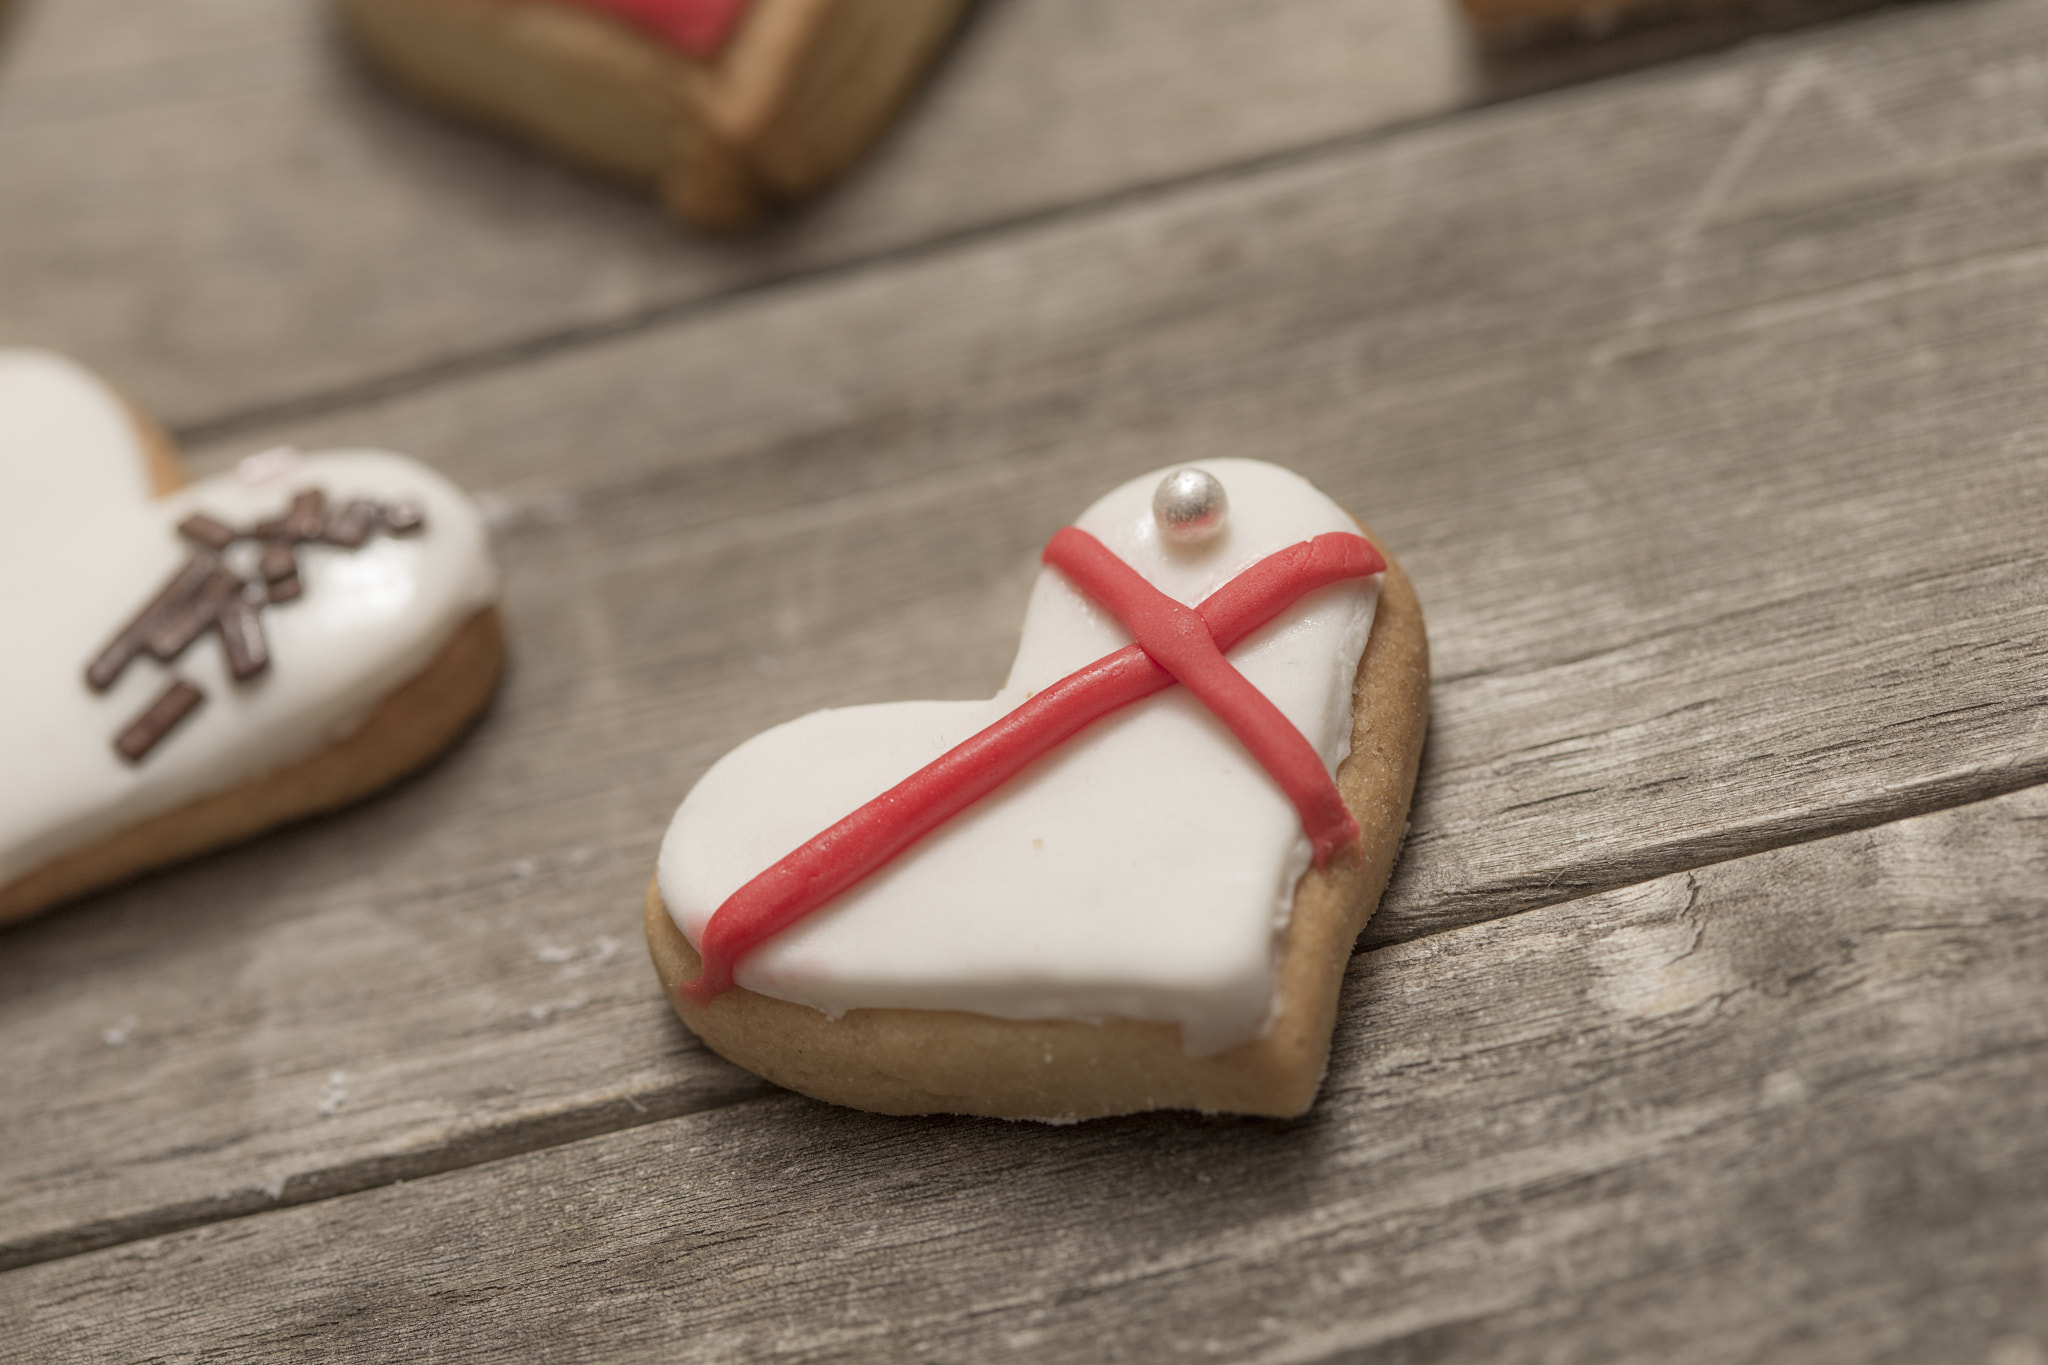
[1175,644]
[696,28]
[1181,642]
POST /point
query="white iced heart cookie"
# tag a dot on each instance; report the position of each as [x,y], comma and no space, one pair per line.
[183,668]
[1132,921]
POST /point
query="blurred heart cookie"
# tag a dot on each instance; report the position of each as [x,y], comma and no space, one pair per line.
[1131,880]
[189,664]
[725,108]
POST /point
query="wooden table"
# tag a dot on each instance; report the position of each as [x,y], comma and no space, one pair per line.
[1707,405]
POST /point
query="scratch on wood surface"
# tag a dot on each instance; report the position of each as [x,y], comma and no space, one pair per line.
[1656,963]
[1723,178]
[1855,106]
[1784,92]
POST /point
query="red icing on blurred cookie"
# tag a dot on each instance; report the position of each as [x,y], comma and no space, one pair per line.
[696,28]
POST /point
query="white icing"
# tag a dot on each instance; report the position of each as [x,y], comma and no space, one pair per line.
[84,546]
[1144,870]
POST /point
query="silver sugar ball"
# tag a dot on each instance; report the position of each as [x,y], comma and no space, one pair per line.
[1190,506]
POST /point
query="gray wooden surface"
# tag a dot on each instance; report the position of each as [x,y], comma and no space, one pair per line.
[1787,1107]
[1705,405]
[253,224]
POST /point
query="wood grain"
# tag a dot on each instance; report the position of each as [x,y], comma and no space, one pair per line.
[1793,1107]
[781,110]
[240,218]
[1705,420]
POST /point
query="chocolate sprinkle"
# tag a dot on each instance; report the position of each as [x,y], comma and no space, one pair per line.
[206,595]
[172,705]
[352,525]
[241,630]
[278,562]
[191,620]
[214,535]
[106,670]
[308,515]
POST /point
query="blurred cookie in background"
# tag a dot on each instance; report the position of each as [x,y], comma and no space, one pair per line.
[726,109]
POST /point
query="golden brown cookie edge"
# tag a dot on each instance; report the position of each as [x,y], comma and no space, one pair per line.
[410,726]
[801,90]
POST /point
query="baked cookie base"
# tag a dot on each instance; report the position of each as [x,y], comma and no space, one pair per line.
[901,1061]
[402,732]
[797,94]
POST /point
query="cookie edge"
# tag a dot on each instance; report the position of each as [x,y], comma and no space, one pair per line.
[903,1061]
[802,89]
[405,730]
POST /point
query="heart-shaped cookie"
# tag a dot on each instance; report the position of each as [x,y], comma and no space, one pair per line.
[724,107]
[1133,920]
[188,665]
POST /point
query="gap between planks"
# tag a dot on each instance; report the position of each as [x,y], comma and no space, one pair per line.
[1506,78]
[527,1135]
[1505,899]
[1583,1143]
[544,345]
[497,1143]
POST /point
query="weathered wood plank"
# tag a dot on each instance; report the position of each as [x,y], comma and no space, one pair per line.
[231,215]
[1718,554]
[1793,1107]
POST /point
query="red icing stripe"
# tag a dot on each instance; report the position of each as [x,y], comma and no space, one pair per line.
[1179,641]
[870,837]
[696,28]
